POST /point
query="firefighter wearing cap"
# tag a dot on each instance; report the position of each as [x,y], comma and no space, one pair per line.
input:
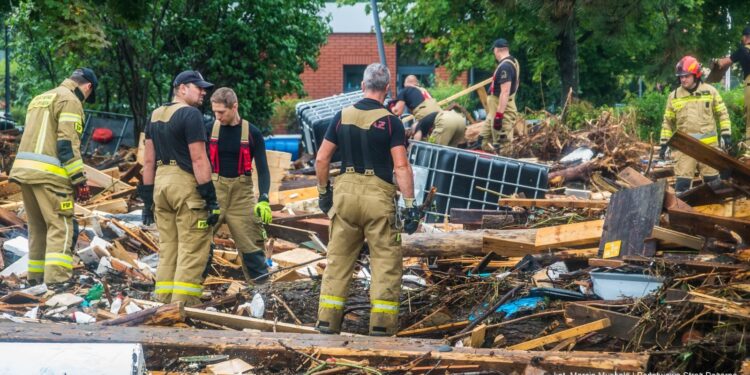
[445,128]
[497,131]
[234,144]
[49,169]
[694,108]
[362,206]
[742,56]
[177,191]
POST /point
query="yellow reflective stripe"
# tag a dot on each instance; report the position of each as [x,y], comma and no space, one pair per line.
[163,287]
[721,107]
[681,102]
[725,124]
[74,167]
[709,140]
[187,289]
[41,101]
[332,302]
[36,265]
[666,133]
[669,114]
[59,263]
[69,116]
[382,306]
[42,167]
[59,259]
[42,133]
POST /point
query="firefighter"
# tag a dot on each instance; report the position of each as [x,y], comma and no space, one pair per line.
[49,169]
[694,108]
[742,56]
[362,205]
[445,128]
[177,191]
[233,145]
[497,131]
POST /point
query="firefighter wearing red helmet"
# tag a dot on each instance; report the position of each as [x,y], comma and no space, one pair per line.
[694,108]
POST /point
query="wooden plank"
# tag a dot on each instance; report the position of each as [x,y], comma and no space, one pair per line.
[510,243]
[630,219]
[672,237]
[562,335]
[474,216]
[706,225]
[635,179]
[294,195]
[476,340]
[95,177]
[519,242]
[561,203]
[180,342]
[710,156]
[736,208]
[242,322]
[113,172]
[113,206]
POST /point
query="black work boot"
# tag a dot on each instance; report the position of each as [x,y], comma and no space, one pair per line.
[682,185]
[709,179]
[255,265]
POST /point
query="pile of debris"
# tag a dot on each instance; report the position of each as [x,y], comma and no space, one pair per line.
[636,279]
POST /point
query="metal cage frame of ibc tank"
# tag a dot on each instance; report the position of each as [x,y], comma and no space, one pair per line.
[489,200]
[309,113]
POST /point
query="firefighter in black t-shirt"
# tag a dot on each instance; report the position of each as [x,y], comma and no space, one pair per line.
[177,189]
[445,128]
[742,56]
[361,204]
[497,131]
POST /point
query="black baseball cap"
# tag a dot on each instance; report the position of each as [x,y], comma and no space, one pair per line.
[194,77]
[500,43]
[90,76]
[746,31]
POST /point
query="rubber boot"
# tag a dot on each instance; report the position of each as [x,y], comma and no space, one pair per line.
[255,264]
[682,184]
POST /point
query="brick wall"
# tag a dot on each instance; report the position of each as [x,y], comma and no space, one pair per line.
[442,74]
[343,49]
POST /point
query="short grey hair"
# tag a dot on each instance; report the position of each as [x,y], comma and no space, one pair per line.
[376,77]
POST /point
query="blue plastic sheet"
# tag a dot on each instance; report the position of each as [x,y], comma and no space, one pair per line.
[521,304]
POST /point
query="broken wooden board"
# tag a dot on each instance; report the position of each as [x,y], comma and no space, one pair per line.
[708,194]
[96,178]
[622,326]
[710,156]
[242,322]
[519,242]
[183,342]
[559,203]
[631,217]
[739,209]
[113,206]
[635,179]
[474,216]
[295,195]
[700,224]
[287,233]
[562,335]
[672,237]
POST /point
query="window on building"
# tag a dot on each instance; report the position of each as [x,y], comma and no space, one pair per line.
[353,75]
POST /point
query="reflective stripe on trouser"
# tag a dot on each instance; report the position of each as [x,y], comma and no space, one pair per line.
[490,136]
[449,129]
[747,107]
[363,208]
[184,237]
[685,166]
[49,212]
[237,201]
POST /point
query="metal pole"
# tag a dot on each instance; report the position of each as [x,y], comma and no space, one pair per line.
[7,76]
[378,32]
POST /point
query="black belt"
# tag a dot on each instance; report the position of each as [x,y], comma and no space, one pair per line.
[160,163]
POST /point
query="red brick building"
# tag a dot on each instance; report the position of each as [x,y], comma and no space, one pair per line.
[351,46]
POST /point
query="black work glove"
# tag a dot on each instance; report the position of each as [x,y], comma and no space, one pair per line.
[411,216]
[325,198]
[727,141]
[146,193]
[208,193]
[663,152]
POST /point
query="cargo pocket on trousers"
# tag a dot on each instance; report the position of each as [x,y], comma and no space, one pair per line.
[198,215]
[394,237]
[63,203]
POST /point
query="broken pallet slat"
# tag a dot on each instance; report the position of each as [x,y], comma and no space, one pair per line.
[705,225]
[519,242]
[562,335]
[561,203]
[187,341]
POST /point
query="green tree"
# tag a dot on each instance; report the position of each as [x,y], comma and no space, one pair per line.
[258,47]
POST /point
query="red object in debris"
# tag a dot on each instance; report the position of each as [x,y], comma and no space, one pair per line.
[102,135]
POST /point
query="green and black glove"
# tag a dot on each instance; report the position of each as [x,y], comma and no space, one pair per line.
[208,193]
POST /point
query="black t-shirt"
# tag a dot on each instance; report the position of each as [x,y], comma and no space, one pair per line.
[427,123]
[229,153]
[384,134]
[742,56]
[505,72]
[171,138]
[411,96]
